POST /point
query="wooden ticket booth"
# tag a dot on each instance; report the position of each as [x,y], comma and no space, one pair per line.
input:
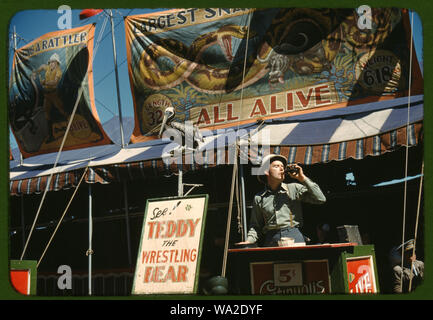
[307,269]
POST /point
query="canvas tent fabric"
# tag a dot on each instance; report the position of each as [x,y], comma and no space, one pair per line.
[352,104]
[45,82]
[223,67]
[368,130]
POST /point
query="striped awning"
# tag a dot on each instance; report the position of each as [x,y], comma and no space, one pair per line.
[333,135]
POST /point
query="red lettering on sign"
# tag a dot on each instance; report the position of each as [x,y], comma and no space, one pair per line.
[159,229]
[147,274]
[171,229]
[182,228]
[203,117]
[171,274]
[181,274]
[274,108]
[216,118]
[320,91]
[304,100]
[159,274]
[230,113]
[151,226]
[192,226]
[289,101]
[261,109]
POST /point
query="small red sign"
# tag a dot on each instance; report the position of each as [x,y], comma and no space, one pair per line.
[21,281]
[360,275]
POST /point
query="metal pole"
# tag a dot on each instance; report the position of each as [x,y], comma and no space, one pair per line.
[128,237]
[23,225]
[180,183]
[229,217]
[119,105]
[15,49]
[90,251]
[244,208]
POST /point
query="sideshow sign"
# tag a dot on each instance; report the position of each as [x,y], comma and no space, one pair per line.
[361,275]
[221,67]
[168,259]
[44,88]
[303,277]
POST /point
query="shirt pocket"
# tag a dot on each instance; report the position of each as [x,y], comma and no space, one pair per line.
[268,211]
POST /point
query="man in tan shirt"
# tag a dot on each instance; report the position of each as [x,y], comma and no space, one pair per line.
[277,211]
[407,277]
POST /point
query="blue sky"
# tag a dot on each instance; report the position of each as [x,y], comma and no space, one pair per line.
[103,66]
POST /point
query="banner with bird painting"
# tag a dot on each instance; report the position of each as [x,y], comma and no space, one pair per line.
[44,89]
[225,67]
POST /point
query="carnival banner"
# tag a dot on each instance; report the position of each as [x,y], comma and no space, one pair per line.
[44,83]
[223,67]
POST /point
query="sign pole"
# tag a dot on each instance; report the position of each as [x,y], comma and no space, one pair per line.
[180,183]
[90,251]
[128,237]
[243,208]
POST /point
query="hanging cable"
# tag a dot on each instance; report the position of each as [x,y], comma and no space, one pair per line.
[416,222]
[240,204]
[98,41]
[235,163]
[229,217]
[80,92]
[407,149]
[245,64]
[61,219]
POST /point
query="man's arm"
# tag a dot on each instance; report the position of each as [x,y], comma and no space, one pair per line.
[313,193]
[308,190]
[38,70]
[256,225]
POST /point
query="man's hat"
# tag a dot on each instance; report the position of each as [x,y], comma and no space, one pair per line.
[408,245]
[54,57]
[266,162]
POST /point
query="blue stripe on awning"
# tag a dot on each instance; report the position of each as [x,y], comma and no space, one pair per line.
[312,132]
[308,155]
[292,155]
[399,117]
[354,109]
[376,146]
[359,149]
[321,131]
[325,153]
[342,151]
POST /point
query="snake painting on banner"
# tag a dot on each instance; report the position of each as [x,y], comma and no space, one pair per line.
[224,67]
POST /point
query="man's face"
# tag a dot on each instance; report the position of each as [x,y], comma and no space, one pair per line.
[409,257]
[276,171]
